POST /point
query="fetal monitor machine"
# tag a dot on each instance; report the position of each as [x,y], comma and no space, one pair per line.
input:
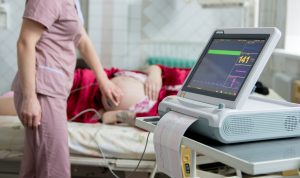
[217,90]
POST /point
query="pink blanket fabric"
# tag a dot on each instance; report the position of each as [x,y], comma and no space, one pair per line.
[90,96]
[7,94]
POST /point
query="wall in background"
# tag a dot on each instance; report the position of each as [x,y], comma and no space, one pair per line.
[125,32]
[8,39]
[292,26]
[283,63]
[280,72]
[272,13]
[180,28]
[177,28]
[115,29]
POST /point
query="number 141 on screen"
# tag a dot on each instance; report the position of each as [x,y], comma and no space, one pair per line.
[244,59]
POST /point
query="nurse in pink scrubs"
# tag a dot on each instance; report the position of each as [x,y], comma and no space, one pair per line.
[50,32]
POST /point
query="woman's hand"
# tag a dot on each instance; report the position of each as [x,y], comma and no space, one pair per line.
[122,116]
[31,112]
[153,85]
[111,92]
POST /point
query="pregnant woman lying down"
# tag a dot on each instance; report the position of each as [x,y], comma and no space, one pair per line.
[142,91]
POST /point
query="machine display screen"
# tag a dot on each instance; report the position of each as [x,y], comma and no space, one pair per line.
[224,66]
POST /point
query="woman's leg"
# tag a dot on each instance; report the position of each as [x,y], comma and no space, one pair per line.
[27,165]
[46,151]
[7,106]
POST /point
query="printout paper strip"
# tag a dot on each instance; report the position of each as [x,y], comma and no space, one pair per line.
[167,142]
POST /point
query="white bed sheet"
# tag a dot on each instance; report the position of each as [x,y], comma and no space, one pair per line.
[115,140]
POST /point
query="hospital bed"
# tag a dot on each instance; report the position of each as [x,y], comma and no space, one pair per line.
[122,146]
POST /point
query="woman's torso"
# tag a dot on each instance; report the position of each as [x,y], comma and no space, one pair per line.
[55,51]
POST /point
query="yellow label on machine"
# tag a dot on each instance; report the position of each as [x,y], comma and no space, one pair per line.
[185,161]
[291,173]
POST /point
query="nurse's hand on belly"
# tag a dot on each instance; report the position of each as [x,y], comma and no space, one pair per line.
[31,112]
[111,93]
[133,92]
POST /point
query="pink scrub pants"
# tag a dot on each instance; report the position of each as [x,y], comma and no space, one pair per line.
[46,152]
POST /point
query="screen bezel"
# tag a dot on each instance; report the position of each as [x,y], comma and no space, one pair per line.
[223,36]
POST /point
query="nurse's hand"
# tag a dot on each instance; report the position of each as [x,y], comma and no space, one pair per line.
[31,112]
[111,92]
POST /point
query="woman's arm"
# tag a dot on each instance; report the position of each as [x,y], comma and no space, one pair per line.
[153,83]
[108,89]
[122,116]
[153,70]
[30,34]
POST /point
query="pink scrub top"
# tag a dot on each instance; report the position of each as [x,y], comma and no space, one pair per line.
[55,51]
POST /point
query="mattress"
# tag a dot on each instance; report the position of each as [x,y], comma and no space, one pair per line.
[116,141]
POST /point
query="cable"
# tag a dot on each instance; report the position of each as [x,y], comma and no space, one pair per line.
[84,87]
[101,151]
[152,175]
[103,155]
[110,169]
[85,111]
[146,144]
[109,102]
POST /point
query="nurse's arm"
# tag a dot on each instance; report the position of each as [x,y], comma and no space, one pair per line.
[30,34]
[89,54]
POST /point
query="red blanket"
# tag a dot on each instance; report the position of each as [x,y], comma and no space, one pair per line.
[90,97]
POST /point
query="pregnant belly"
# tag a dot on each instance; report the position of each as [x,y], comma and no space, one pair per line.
[133,92]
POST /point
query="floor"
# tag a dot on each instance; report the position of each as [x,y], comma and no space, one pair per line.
[9,169]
